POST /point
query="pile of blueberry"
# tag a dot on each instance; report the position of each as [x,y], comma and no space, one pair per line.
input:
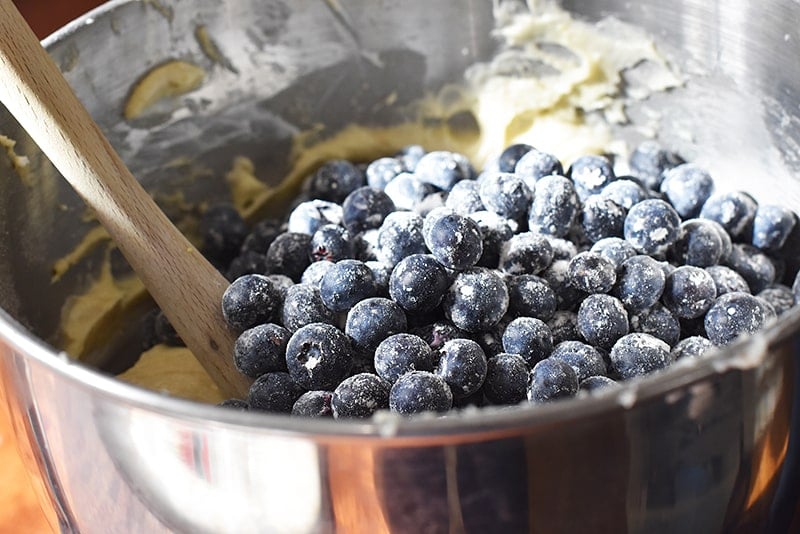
[415,284]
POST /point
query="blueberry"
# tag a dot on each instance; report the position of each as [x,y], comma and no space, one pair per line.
[409,156]
[464,198]
[564,326]
[235,404]
[687,187]
[506,379]
[247,262]
[443,169]
[726,280]
[732,315]
[438,333]
[601,218]
[779,296]
[649,160]
[331,243]
[302,306]
[261,349]
[334,180]
[555,206]
[689,292]
[288,254]
[420,391]
[406,191]
[535,165]
[591,174]
[345,284]
[563,249]
[455,241]
[624,193]
[735,211]
[508,159]
[591,273]
[699,243]
[365,245]
[462,364]
[315,272]
[526,253]
[530,338]
[372,320]
[310,215]
[615,249]
[496,230]
[530,296]
[691,347]
[223,231]
[250,300]
[318,356]
[638,355]
[365,209]
[477,300]
[313,404]
[640,283]
[506,195]
[598,383]
[657,321]
[772,226]
[584,359]
[754,266]
[382,171]
[568,297]
[401,353]
[602,320]
[261,236]
[381,273]
[418,283]
[360,396]
[273,392]
[491,341]
[551,380]
[400,236]
[652,226]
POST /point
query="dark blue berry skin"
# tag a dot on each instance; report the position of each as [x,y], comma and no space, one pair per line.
[334,180]
[591,174]
[462,364]
[691,347]
[381,273]
[250,300]
[443,169]
[624,193]
[732,315]
[224,232]
[652,226]
[526,253]
[313,404]
[530,296]
[235,404]
[261,236]
[735,211]
[382,171]
[496,230]
[584,359]
[365,209]
[508,159]
[407,192]
[418,283]
[261,349]
[308,216]
[418,392]
[247,262]
[360,396]
[568,297]
[315,272]
[779,296]
[602,320]
[689,292]
[598,383]
[640,283]
[455,241]
[318,356]
[491,341]
[639,355]
[535,165]
[530,338]
[564,326]
[401,353]
[506,195]
[687,187]
[273,392]
[345,284]
[330,243]
[754,266]
[772,226]
[726,280]
[400,236]
[657,321]
[409,156]
[506,379]
[699,243]
[288,254]
[464,198]
[372,320]
[555,206]
[477,300]
[601,217]
[615,249]
[648,162]
[302,306]
[438,333]
[592,273]
[551,380]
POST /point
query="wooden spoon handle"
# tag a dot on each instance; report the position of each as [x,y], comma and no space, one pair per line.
[183,283]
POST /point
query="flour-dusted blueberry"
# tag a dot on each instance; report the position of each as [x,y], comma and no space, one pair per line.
[526,253]
[261,235]
[508,159]
[318,356]
[418,392]
[506,195]
[639,355]
[779,296]
[443,169]
[602,320]
[235,404]
[360,396]
[591,174]
[345,284]
[464,198]
[506,379]
[551,380]
[563,249]
[555,206]
[365,245]
[735,211]
[530,296]
[382,171]
[624,192]
[303,305]
[601,217]
[431,202]
[687,187]
[591,273]
[334,180]
[615,249]
[407,192]
[455,241]
[250,300]
[640,283]
[657,321]
[315,272]
[652,226]
[754,266]
[772,226]
[223,231]
[372,320]
[400,236]
[273,392]
[313,404]
[649,160]
[477,300]
[381,273]
[261,349]
[247,262]
[308,216]
[418,283]
[496,230]
[726,280]
[584,359]
[535,165]
[365,209]
[699,243]
[281,282]
[400,353]
[691,347]
[564,326]
[594,384]
[462,364]
[409,156]
[530,338]
[288,254]
[331,243]
[438,333]
[568,297]
[689,292]
[732,315]
[491,341]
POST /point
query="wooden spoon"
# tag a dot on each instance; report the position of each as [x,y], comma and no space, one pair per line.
[186,287]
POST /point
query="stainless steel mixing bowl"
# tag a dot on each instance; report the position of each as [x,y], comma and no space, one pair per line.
[705,448]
